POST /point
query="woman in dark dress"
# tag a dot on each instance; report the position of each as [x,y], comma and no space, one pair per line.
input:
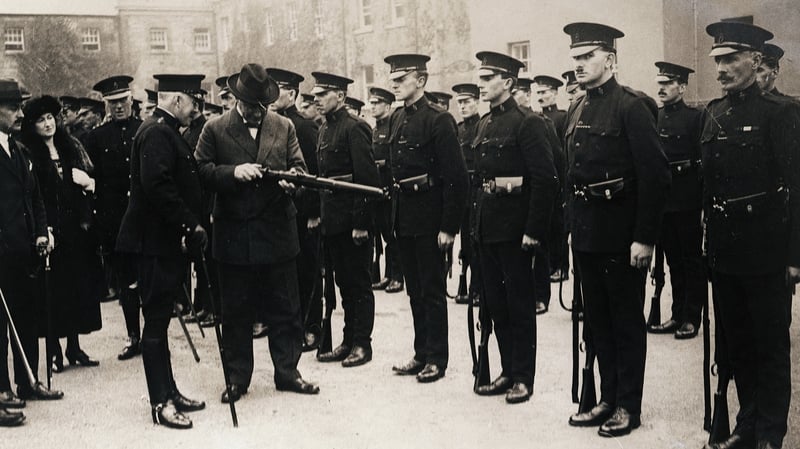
[75,286]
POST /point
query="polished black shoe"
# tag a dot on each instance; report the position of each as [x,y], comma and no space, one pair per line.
[430,373]
[358,356]
[498,386]
[298,385]
[260,330]
[209,321]
[131,350]
[686,331]
[594,417]
[541,307]
[184,404]
[735,441]
[666,327]
[38,392]
[337,355]
[410,368]
[310,341]
[394,287]
[10,419]
[381,285]
[80,358]
[518,393]
[237,392]
[620,423]
[9,400]
[167,415]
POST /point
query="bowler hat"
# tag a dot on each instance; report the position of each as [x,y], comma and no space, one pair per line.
[253,85]
[10,91]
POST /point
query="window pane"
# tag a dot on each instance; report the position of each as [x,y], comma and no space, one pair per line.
[202,39]
[14,39]
[158,39]
[90,39]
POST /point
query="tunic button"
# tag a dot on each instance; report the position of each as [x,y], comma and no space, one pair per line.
[577,144]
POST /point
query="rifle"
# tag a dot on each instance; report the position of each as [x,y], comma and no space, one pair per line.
[577,308]
[320,183]
[588,397]
[178,311]
[481,368]
[220,344]
[706,370]
[462,297]
[329,293]
[720,428]
[49,301]
[657,279]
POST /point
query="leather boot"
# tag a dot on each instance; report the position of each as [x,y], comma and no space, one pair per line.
[156,372]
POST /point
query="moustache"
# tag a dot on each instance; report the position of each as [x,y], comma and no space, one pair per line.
[724,78]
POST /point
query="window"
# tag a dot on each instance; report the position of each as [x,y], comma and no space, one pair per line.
[224,33]
[269,29]
[365,13]
[521,51]
[14,39]
[291,20]
[90,39]
[398,12]
[202,40]
[368,76]
[317,4]
[158,39]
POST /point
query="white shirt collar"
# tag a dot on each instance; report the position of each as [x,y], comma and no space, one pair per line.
[4,143]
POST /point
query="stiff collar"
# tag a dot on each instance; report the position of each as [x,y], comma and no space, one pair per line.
[417,105]
[678,105]
[603,89]
[167,117]
[123,123]
[741,95]
[337,115]
[505,106]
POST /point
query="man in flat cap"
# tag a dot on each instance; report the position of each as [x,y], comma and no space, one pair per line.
[255,240]
[467,97]
[619,179]
[161,222]
[431,193]
[381,101]
[344,152]
[307,203]
[679,128]
[23,238]
[751,174]
[514,203]
[109,148]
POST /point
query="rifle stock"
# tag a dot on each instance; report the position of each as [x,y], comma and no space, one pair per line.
[577,306]
[376,262]
[654,318]
[481,371]
[463,290]
[320,183]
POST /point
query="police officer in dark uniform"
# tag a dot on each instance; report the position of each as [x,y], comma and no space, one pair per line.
[467,96]
[619,177]
[679,128]
[572,88]
[307,202]
[381,101]
[162,220]
[353,106]
[769,69]
[109,147]
[225,96]
[149,104]
[522,93]
[69,112]
[751,176]
[547,93]
[344,152]
[431,191]
[442,99]
[90,117]
[308,109]
[519,185]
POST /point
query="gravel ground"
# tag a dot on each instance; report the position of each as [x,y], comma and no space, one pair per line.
[368,406]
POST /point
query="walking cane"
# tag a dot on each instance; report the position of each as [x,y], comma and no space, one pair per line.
[178,310]
[49,300]
[218,332]
[15,337]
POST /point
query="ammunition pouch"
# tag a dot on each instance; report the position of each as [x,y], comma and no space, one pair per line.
[415,184]
[502,186]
